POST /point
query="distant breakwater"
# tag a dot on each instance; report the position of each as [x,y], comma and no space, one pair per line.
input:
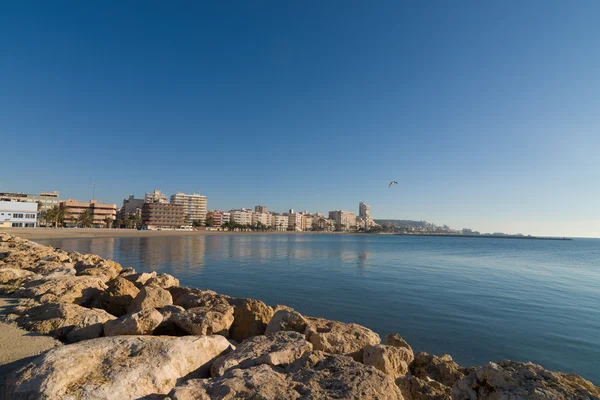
[135,335]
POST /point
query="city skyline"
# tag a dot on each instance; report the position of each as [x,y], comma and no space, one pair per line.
[485,114]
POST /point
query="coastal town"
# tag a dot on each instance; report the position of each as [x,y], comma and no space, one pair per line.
[181,211]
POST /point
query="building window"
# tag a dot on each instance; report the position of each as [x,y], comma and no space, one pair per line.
[15,215]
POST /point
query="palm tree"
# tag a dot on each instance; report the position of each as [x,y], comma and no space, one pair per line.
[209,221]
[108,221]
[85,218]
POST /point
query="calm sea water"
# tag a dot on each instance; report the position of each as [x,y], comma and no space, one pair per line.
[476,299]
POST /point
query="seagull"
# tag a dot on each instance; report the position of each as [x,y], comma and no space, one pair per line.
[392,183]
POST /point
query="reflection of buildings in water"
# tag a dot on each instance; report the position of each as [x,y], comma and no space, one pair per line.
[178,254]
[363,248]
[104,247]
[362,260]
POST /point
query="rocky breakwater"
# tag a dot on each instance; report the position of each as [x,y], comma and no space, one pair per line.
[135,335]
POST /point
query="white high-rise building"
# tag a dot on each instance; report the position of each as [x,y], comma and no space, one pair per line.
[155,197]
[280,222]
[194,206]
[242,217]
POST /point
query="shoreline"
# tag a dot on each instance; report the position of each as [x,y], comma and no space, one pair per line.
[120,323]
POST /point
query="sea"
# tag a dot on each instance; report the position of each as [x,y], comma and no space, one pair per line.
[476,299]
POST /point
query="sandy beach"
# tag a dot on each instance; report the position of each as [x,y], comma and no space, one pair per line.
[70,233]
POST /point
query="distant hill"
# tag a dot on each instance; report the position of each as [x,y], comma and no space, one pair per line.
[402,222]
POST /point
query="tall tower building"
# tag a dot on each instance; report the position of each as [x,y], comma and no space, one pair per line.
[364,211]
[194,206]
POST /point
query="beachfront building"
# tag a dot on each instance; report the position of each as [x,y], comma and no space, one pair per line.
[216,218]
[280,222]
[344,220]
[156,197]
[262,218]
[194,206]
[261,209]
[307,222]
[47,200]
[18,214]
[161,215]
[364,219]
[132,205]
[241,217]
[226,217]
[295,222]
[99,211]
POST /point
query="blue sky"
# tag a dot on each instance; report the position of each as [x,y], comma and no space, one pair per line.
[486,113]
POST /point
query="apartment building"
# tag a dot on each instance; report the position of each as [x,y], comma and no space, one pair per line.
[307,222]
[156,197]
[194,206]
[280,222]
[47,200]
[263,218]
[162,215]
[344,220]
[99,211]
[241,217]
[217,218]
[18,214]
[226,217]
[295,222]
[260,209]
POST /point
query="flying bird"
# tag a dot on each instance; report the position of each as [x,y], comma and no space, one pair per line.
[392,183]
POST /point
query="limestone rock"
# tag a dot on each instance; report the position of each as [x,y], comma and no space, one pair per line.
[286,320]
[519,380]
[439,368]
[414,388]
[394,339]
[250,318]
[190,298]
[105,269]
[168,326]
[339,338]
[280,348]
[260,383]
[11,275]
[163,281]
[51,268]
[208,320]
[117,298]
[122,367]
[65,321]
[391,360]
[68,289]
[141,322]
[151,297]
[139,279]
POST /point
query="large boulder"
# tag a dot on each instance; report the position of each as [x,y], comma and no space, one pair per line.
[439,368]
[81,290]
[250,318]
[168,326]
[286,320]
[262,382]
[323,377]
[52,268]
[280,348]
[209,320]
[414,388]
[391,360]
[13,275]
[122,367]
[65,321]
[339,338]
[394,339]
[151,297]
[163,281]
[105,269]
[519,380]
[141,322]
[138,279]
[117,298]
[191,298]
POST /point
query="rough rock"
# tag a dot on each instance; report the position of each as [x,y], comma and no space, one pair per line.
[139,279]
[105,269]
[413,388]
[391,360]
[519,380]
[141,322]
[163,281]
[339,338]
[65,321]
[331,377]
[439,368]
[286,320]
[394,339]
[250,318]
[190,298]
[151,297]
[208,320]
[10,275]
[69,289]
[260,383]
[168,326]
[280,348]
[123,367]
[117,298]
[52,268]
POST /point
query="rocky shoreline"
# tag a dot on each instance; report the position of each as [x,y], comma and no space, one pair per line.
[130,335]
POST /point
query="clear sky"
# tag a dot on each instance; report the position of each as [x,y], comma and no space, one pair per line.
[486,113]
